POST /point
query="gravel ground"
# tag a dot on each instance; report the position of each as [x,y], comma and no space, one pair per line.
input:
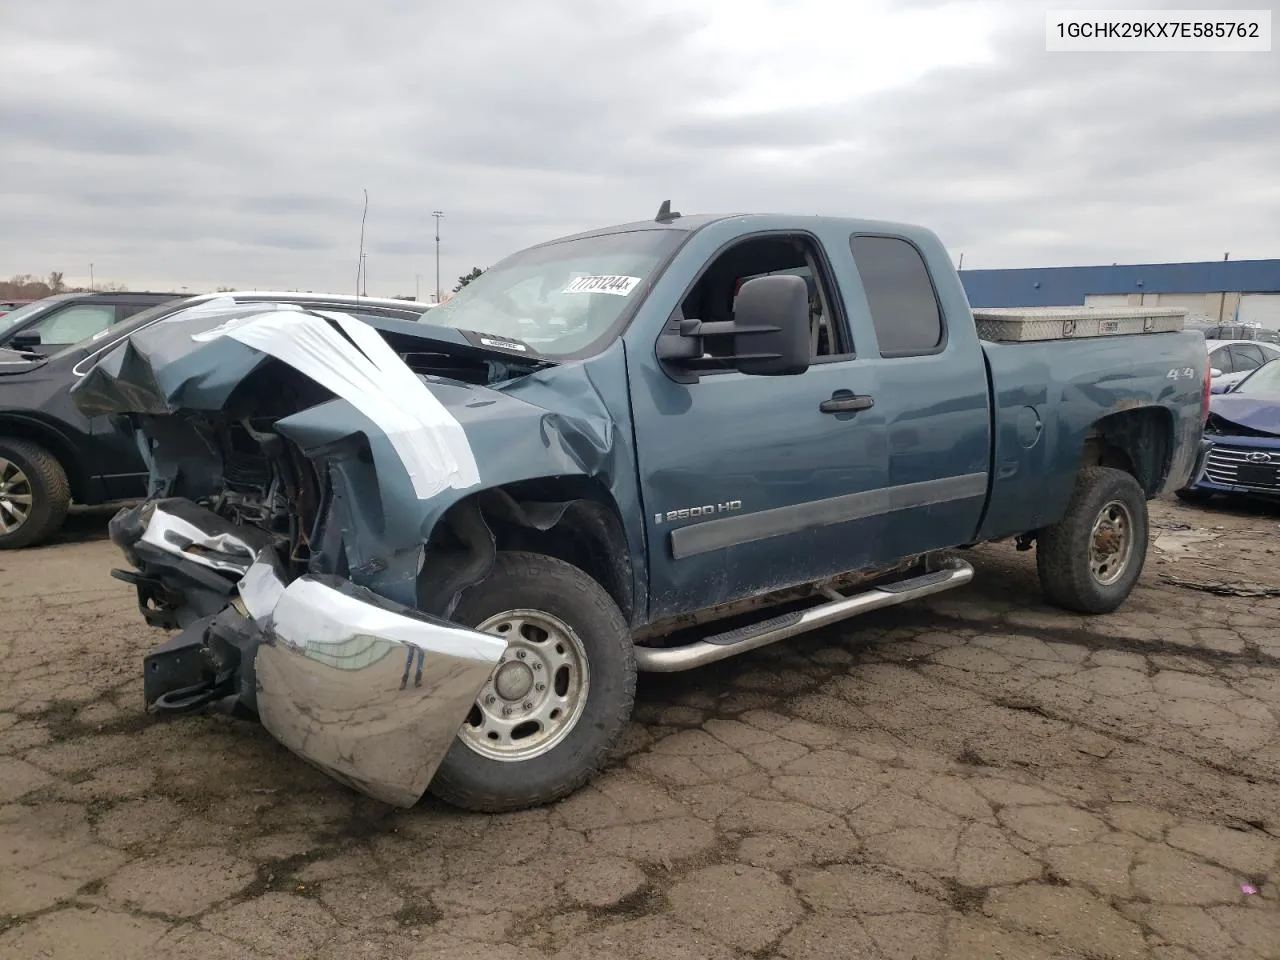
[975,776]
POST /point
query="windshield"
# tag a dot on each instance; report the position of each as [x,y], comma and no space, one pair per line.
[561,297]
[1264,382]
[14,317]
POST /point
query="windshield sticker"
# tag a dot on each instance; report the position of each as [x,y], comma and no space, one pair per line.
[619,286]
[503,344]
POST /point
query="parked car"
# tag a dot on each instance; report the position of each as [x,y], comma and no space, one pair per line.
[465,535]
[1233,360]
[1236,331]
[48,325]
[8,306]
[1244,432]
[52,455]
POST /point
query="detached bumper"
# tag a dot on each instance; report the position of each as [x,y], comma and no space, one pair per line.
[367,690]
[370,692]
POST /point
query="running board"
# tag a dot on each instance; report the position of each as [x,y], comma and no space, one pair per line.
[954,573]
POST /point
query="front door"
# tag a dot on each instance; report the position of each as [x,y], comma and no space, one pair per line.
[754,483]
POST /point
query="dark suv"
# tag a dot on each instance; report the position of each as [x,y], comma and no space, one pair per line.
[51,455]
[55,322]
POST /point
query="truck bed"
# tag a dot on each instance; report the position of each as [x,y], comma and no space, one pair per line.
[1047,395]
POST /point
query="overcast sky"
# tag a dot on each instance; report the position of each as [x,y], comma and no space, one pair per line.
[228,143]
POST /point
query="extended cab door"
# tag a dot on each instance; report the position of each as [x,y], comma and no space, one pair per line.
[911,311]
[754,483]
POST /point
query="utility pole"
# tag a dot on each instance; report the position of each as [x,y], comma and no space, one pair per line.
[437,214]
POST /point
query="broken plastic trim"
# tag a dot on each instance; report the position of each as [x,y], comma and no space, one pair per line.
[223,551]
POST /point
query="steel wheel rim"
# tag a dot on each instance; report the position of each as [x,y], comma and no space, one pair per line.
[512,719]
[15,496]
[1111,543]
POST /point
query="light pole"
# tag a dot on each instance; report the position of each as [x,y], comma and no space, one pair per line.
[364,272]
[417,286]
[437,214]
[91,276]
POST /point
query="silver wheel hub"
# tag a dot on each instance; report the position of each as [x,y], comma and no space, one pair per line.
[1111,543]
[15,496]
[513,681]
[536,694]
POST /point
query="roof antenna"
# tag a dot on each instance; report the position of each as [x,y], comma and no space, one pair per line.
[360,263]
[664,213]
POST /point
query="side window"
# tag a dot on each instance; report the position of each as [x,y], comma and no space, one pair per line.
[1255,353]
[713,296]
[75,323]
[904,307]
[1243,356]
[127,310]
[1220,359]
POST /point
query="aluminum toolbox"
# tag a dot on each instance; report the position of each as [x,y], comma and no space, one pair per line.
[1019,324]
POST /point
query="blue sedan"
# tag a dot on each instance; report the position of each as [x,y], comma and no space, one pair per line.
[1244,430]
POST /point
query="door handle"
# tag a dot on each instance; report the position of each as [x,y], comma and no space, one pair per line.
[844,402]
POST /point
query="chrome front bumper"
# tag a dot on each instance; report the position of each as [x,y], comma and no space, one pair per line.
[370,692]
[367,690]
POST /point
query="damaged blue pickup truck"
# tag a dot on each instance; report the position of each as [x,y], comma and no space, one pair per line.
[434,555]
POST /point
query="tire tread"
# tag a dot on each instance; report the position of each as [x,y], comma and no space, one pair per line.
[51,493]
[547,571]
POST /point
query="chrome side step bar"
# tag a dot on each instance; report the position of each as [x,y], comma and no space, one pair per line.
[953,573]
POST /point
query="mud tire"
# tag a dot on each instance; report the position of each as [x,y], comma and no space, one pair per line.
[50,493]
[1064,551]
[531,581]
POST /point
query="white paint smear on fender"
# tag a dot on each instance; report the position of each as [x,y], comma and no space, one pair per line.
[373,379]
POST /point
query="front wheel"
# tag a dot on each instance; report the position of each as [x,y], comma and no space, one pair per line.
[1090,560]
[558,702]
[34,494]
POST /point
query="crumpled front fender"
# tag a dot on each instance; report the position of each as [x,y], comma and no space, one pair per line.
[370,692]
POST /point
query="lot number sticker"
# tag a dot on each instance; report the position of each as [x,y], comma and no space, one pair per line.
[619,286]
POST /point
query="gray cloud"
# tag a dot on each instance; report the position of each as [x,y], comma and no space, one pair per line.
[231,146]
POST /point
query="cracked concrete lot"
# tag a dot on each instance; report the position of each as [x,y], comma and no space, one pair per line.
[974,777]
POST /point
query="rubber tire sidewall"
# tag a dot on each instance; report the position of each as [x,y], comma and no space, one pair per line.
[1063,550]
[50,493]
[532,581]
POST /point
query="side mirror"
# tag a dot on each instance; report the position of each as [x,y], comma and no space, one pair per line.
[25,341]
[768,335]
[1214,373]
[772,317]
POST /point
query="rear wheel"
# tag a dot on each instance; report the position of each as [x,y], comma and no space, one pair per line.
[1090,560]
[34,494]
[554,708]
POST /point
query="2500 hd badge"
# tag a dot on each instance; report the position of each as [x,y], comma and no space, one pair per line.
[688,513]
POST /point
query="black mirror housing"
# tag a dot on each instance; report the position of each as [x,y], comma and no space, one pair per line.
[771,315]
[769,333]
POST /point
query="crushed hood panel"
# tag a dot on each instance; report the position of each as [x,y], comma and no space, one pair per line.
[1252,413]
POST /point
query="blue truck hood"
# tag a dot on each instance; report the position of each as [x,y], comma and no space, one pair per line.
[432,439]
[1254,413]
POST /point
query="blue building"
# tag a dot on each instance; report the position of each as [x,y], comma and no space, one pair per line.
[1228,291]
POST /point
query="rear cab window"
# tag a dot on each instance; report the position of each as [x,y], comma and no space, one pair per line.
[905,311]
